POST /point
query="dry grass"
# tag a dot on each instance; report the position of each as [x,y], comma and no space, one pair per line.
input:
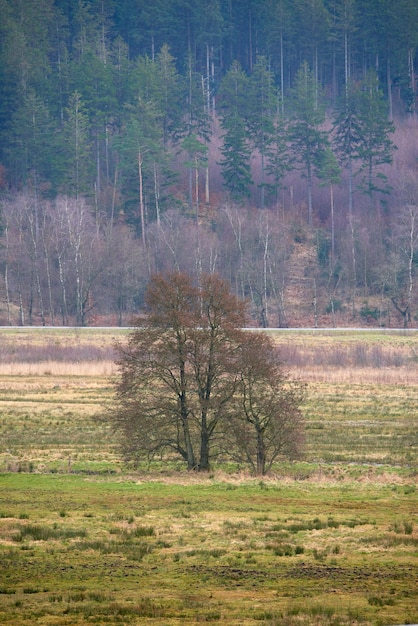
[381,358]
[79,550]
[101,368]
[357,375]
[339,356]
[329,540]
[361,403]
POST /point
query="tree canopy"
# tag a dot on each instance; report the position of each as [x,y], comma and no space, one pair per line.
[193,383]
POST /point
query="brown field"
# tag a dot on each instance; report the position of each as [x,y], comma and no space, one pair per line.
[329,540]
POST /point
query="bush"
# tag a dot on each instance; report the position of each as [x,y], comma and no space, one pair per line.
[369,313]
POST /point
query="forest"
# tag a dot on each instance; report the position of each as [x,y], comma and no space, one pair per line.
[272,142]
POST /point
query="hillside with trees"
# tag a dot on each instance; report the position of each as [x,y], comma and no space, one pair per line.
[272,142]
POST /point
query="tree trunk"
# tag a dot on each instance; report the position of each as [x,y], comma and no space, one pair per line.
[261,454]
[265,297]
[204,465]
[6,275]
[141,197]
[331,193]
[207,194]
[63,290]
[389,88]
[156,194]
[48,277]
[309,178]
[191,461]
[184,409]
[411,68]
[351,223]
[411,257]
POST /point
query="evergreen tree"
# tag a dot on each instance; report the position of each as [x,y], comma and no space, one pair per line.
[308,140]
[330,174]
[197,126]
[196,158]
[30,150]
[347,140]
[407,37]
[312,23]
[345,26]
[261,105]
[139,146]
[208,24]
[169,94]
[79,172]
[26,126]
[279,160]
[236,162]
[236,151]
[362,136]
[375,147]
[93,80]
[380,40]
[347,137]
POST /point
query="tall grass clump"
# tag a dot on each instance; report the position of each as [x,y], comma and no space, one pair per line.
[44,533]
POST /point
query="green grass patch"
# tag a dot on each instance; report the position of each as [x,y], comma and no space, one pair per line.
[124,551]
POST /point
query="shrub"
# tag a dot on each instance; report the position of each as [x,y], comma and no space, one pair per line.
[369,312]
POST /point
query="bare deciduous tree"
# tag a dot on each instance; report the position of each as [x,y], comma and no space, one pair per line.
[266,422]
[191,378]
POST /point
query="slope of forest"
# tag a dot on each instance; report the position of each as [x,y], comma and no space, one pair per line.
[271,141]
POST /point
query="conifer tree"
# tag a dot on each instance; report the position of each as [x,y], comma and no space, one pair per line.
[330,174]
[140,146]
[236,151]
[347,137]
[375,147]
[307,138]
[261,111]
[278,157]
[236,162]
[78,148]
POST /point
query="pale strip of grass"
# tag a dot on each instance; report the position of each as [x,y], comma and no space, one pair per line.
[58,368]
[353,375]
[378,376]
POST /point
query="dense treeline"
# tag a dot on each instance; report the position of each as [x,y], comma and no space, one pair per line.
[252,138]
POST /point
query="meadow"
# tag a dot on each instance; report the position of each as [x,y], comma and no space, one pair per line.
[329,540]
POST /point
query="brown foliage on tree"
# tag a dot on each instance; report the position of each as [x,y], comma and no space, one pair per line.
[190,379]
[266,422]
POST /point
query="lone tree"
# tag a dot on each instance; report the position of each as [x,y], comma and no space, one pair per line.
[187,385]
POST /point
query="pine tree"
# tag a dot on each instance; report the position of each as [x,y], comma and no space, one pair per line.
[347,137]
[312,30]
[329,173]
[262,104]
[307,139]
[278,157]
[139,146]
[78,148]
[236,151]
[375,147]
[236,162]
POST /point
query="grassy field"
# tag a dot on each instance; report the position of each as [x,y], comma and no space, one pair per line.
[329,540]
